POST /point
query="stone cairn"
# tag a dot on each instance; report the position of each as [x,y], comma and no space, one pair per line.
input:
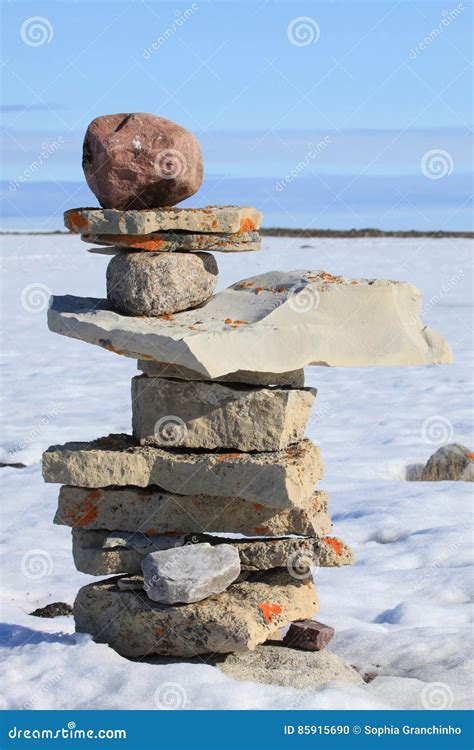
[219,415]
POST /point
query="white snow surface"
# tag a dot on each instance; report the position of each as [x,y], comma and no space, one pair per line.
[401,613]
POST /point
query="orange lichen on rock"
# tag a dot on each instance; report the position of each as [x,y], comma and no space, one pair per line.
[246,225]
[268,610]
[85,511]
[228,321]
[76,221]
[470,456]
[336,544]
[166,316]
[227,456]
[245,285]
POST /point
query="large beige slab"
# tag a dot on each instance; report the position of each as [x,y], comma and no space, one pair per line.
[171,413]
[153,511]
[274,322]
[275,664]
[214,219]
[297,554]
[165,242]
[294,378]
[281,479]
[240,618]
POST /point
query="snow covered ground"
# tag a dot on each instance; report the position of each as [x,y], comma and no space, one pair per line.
[401,613]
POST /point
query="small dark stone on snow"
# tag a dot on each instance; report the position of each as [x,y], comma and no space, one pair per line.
[309,635]
[55,609]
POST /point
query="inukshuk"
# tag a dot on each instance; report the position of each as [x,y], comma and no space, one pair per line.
[217,444]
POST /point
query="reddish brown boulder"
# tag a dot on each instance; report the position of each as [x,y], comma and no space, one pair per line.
[309,635]
[137,160]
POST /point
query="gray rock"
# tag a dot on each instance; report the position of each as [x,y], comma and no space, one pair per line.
[297,554]
[275,322]
[173,413]
[451,462]
[154,284]
[210,219]
[190,573]
[153,511]
[279,479]
[293,378]
[163,242]
[240,618]
[278,665]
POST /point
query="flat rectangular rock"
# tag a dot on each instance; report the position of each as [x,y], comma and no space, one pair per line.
[153,511]
[297,554]
[172,414]
[238,619]
[280,479]
[211,219]
[275,322]
[239,242]
[293,378]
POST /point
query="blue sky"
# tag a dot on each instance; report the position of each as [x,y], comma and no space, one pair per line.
[357,93]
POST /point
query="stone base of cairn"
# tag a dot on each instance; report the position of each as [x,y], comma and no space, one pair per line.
[218,442]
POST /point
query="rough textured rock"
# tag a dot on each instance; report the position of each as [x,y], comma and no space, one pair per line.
[275,664]
[309,635]
[92,554]
[130,583]
[138,160]
[451,462]
[171,413]
[189,573]
[153,284]
[210,219]
[279,322]
[239,242]
[294,378]
[280,479]
[237,620]
[54,609]
[153,511]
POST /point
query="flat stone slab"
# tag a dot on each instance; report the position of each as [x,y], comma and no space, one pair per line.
[170,413]
[240,618]
[154,284]
[167,242]
[189,573]
[274,322]
[293,378]
[212,219]
[152,511]
[275,664]
[308,635]
[93,553]
[280,479]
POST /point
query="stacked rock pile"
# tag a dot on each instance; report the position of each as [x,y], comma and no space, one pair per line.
[219,412]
